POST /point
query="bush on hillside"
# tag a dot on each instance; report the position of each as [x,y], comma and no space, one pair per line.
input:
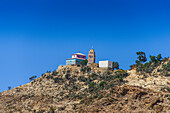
[67,76]
[102,83]
[32,78]
[82,79]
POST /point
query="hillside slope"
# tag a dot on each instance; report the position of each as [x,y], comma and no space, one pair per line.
[85,89]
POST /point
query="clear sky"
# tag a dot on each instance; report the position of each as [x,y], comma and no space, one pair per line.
[38,35]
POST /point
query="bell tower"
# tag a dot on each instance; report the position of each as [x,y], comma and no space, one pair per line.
[91,57]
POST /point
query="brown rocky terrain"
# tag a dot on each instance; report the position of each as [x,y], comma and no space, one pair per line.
[129,99]
[87,89]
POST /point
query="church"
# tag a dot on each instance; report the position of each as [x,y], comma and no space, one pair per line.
[78,57]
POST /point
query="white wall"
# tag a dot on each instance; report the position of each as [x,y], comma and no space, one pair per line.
[110,65]
[74,56]
[106,64]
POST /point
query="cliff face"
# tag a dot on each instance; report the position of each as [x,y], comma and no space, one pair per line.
[158,79]
[85,89]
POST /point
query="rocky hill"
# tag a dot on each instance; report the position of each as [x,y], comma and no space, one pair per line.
[86,89]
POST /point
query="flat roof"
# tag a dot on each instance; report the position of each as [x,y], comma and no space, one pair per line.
[104,61]
[79,54]
[74,58]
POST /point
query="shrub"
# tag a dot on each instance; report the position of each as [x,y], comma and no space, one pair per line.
[74,106]
[148,70]
[32,78]
[120,78]
[67,76]
[61,108]
[165,89]
[58,80]
[68,71]
[82,79]
[121,72]
[108,94]
[82,101]
[106,73]
[82,69]
[167,74]
[48,71]
[95,96]
[64,72]
[75,87]
[94,76]
[101,96]
[146,65]
[91,85]
[88,69]
[52,110]
[166,67]
[49,77]
[102,83]
[54,73]
[67,96]
[160,70]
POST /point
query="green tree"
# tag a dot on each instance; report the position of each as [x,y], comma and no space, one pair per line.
[138,62]
[84,62]
[146,65]
[141,56]
[115,65]
[32,78]
[159,57]
[152,58]
[9,87]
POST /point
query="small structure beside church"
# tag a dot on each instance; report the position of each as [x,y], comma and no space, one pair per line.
[76,59]
[105,64]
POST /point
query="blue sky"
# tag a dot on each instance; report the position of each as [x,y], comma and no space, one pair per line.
[38,35]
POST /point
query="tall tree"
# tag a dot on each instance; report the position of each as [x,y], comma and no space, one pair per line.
[141,56]
[115,65]
[152,58]
[159,57]
[9,87]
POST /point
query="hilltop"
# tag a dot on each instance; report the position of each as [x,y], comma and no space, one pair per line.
[88,89]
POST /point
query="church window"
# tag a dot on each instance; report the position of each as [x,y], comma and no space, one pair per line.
[91,56]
